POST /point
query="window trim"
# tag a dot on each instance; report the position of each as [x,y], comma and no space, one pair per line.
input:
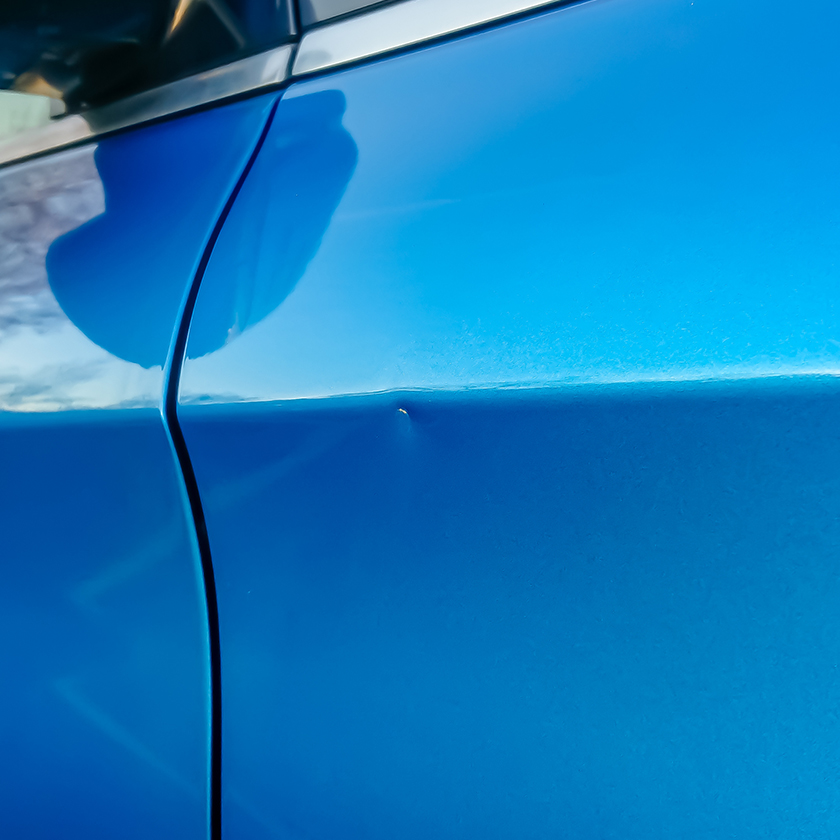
[349,40]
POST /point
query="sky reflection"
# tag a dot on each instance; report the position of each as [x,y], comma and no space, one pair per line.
[621,210]
[46,362]
[99,245]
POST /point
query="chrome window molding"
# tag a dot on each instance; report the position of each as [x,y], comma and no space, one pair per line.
[247,75]
[397,26]
[254,73]
[349,40]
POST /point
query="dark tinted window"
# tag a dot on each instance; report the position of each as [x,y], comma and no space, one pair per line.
[89,52]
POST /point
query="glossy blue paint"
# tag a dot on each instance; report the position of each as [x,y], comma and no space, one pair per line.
[620,190]
[104,711]
[611,613]
[547,582]
[304,167]
[163,194]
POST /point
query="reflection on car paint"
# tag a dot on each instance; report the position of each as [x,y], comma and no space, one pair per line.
[627,210]
[96,261]
[458,610]
[104,661]
[47,363]
[311,158]
[122,276]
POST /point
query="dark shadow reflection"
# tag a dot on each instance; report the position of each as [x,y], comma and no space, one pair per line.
[121,276]
[117,276]
[278,221]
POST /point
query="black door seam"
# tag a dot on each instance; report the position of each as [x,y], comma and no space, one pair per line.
[170,418]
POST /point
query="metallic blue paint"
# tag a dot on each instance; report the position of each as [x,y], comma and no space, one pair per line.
[605,613]
[622,190]
[104,712]
[601,600]
[104,728]
[302,171]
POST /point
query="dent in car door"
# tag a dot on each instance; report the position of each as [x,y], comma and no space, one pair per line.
[521,474]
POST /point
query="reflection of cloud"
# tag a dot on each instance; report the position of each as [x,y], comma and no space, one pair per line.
[56,368]
[19,390]
[46,364]
[22,391]
[39,201]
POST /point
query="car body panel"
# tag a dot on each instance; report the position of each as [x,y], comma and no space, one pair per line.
[520,614]
[105,713]
[105,707]
[510,393]
[617,208]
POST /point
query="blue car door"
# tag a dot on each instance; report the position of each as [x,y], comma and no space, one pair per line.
[105,646]
[510,392]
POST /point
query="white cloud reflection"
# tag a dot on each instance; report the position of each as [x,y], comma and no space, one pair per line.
[46,363]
